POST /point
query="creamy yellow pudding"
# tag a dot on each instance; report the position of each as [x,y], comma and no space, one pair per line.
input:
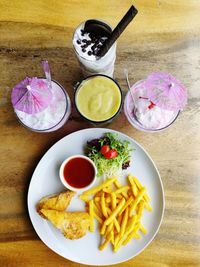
[98,98]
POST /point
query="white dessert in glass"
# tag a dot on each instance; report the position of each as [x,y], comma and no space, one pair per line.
[145,115]
[86,45]
[53,117]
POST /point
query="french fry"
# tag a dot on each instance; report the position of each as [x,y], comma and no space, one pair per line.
[133,186]
[120,196]
[108,200]
[103,205]
[137,182]
[134,190]
[143,229]
[97,199]
[148,207]
[129,192]
[110,227]
[140,209]
[105,243]
[146,197]
[116,223]
[117,226]
[115,212]
[116,240]
[128,202]
[124,222]
[91,213]
[118,185]
[98,218]
[130,179]
[121,189]
[131,234]
[136,236]
[98,194]
[120,217]
[137,185]
[112,236]
[118,200]
[97,209]
[110,231]
[84,198]
[118,211]
[99,187]
[129,229]
[107,190]
[103,229]
[131,224]
[137,200]
[113,200]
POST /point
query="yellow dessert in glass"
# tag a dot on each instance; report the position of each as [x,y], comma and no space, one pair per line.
[98,98]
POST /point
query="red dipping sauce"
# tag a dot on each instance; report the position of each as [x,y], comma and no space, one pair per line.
[78,172]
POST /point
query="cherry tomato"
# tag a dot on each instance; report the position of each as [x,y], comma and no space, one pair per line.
[104,149]
[111,154]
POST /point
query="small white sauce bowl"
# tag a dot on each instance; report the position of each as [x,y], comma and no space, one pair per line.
[66,184]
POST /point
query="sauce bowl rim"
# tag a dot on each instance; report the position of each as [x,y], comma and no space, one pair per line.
[66,184]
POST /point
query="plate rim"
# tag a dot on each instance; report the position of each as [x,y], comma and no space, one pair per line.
[162,191]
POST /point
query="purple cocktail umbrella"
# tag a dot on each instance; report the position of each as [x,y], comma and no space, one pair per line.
[31,95]
[165,91]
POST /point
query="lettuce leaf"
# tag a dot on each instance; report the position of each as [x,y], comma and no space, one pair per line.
[109,167]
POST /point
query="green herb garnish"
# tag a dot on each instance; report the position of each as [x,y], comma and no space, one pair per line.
[113,166]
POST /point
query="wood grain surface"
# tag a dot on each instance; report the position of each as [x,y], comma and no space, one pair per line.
[165,36]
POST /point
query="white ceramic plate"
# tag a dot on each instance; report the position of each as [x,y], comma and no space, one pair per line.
[45,181]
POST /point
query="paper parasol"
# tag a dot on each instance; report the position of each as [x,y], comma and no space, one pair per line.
[31,95]
[165,91]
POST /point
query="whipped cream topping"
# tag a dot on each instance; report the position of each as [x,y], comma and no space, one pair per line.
[87,44]
[149,115]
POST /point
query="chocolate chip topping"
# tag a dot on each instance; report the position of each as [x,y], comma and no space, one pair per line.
[82,32]
[89,42]
[94,43]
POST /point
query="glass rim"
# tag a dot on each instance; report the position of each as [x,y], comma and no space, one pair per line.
[78,52]
[103,121]
[66,109]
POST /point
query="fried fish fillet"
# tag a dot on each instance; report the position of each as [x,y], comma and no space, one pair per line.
[55,202]
[73,225]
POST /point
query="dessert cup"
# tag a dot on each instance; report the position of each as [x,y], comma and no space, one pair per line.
[116,106]
[91,64]
[131,106]
[53,117]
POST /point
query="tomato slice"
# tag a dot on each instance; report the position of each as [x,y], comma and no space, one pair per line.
[111,154]
[104,149]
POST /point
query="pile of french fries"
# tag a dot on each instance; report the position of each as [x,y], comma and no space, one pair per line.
[118,209]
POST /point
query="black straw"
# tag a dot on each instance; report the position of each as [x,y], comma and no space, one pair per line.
[118,31]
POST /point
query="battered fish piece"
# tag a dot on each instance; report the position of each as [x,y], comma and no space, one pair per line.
[73,225]
[55,202]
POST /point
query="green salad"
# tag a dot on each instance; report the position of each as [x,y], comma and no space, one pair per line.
[109,154]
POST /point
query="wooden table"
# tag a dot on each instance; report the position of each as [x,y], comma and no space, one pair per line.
[164,36]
